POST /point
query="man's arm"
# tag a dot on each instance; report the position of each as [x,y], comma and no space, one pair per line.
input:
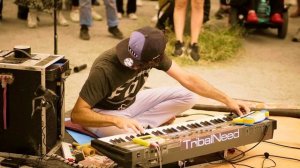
[197,85]
[83,114]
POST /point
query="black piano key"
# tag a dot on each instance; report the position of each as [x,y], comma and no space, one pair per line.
[169,130]
[112,141]
[131,136]
[203,123]
[117,140]
[180,128]
[194,125]
[155,133]
[208,123]
[214,121]
[174,130]
[185,128]
[122,140]
[189,126]
[165,131]
[198,125]
[160,132]
[227,118]
[220,120]
[128,138]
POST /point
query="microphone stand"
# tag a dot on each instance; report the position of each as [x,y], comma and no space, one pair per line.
[55,26]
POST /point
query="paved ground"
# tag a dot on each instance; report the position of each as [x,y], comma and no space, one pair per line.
[267,68]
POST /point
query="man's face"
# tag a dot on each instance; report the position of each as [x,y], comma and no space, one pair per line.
[145,65]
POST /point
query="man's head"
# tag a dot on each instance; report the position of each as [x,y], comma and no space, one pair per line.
[145,46]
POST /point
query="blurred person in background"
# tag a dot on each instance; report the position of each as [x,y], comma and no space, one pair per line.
[38,6]
[86,18]
[197,13]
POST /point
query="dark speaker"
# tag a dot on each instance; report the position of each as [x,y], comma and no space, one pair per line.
[26,130]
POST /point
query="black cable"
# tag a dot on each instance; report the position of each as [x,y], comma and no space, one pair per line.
[292,147]
[282,157]
[7,54]
[242,154]
[264,134]
[266,154]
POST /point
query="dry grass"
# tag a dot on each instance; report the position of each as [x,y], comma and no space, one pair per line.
[217,43]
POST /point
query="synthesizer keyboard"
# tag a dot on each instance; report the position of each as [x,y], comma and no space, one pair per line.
[183,141]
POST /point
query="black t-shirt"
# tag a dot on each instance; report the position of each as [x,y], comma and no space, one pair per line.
[113,86]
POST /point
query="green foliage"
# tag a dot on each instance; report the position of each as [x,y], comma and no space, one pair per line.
[217,43]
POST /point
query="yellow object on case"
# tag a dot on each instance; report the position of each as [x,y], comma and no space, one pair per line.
[147,140]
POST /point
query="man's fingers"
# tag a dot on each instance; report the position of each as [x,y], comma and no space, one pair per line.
[239,113]
[245,109]
[140,128]
[134,128]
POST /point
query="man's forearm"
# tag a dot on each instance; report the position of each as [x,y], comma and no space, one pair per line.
[89,118]
[203,88]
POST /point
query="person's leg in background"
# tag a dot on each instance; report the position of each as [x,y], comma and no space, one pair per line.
[206,10]
[120,9]
[131,9]
[112,19]
[297,12]
[85,18]
[95,15]
[196,26]
[74,13]
[179,23]
[1,6]
[22,12]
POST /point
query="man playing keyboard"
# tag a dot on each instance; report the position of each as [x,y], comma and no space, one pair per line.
[111,101]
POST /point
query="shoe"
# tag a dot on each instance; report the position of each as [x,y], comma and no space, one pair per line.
[252,18]
[193,51]
[32,19]
[84,33]
[96,3]
[139,3]
[179,49]
[95,15]
[276,18]
[133,16]
[296,37]
[116,32]
[119,15]
[219,14]
[62,20]
[74,15]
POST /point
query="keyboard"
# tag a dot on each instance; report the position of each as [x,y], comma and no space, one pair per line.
[183,141]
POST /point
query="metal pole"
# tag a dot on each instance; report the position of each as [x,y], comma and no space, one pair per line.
[55,26]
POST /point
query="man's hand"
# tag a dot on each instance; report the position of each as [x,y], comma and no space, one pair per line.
[127,124]
[240,108]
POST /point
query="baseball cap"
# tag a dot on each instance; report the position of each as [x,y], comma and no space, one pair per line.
[143,45]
